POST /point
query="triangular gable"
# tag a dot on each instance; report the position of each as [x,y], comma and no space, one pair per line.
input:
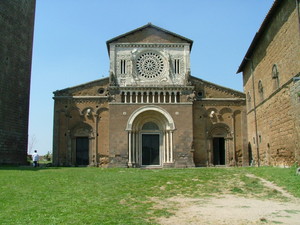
[86,89]
[215,90]
[149,33]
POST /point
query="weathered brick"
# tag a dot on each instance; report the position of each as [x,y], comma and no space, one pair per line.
[16,22]
[277,113]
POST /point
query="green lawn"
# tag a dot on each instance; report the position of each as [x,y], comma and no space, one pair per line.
[121,196]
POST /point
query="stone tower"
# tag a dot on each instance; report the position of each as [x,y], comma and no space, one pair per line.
[17,23]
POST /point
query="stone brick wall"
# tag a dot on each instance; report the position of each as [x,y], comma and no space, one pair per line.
[71,115]
[295,99]
[276,130]
[274,139]
[16,22]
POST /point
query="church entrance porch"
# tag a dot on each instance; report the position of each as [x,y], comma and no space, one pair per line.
[150,137]
[82,151]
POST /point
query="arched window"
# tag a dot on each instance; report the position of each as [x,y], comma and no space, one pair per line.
[275,77]
[260,90]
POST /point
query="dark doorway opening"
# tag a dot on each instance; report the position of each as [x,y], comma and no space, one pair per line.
[150,149]
[250,153]
[219,151]
[82,151]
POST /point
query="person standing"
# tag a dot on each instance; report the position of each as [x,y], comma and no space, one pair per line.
[35,158]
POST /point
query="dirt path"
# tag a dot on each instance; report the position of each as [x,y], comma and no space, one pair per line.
[233,210]
[272,186]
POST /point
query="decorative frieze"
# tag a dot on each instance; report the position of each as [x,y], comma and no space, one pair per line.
[154,45]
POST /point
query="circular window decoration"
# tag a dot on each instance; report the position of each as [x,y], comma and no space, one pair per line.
[150,65]
[101,91]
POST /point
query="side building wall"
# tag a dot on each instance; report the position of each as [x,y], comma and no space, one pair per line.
[271,93]
[17,23]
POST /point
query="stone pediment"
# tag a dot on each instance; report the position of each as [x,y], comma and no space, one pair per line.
[211,90]
[149,34]
[93,88]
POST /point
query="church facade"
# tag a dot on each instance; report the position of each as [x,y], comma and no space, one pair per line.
[150,111]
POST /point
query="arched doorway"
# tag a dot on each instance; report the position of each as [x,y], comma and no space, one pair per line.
[150,137]
[82,141]
[220,139]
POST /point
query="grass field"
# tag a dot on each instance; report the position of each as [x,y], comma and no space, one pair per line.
[122,196]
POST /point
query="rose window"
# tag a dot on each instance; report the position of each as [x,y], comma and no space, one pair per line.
[150,65]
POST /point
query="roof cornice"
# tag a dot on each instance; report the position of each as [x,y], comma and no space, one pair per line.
[148,25]
[259,34]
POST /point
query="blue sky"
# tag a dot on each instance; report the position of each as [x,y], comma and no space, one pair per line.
[70,44]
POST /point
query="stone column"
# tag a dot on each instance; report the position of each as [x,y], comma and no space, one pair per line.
[147,101]
[130,99]
[133,147]
[168,149]
[209,149]
[228,149]
[165,148]
[129,149]
[137,148]
[171,146]
[125,97]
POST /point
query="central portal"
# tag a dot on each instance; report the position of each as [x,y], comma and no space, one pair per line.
[150,149]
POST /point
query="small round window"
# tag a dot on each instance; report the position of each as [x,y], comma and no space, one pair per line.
[200,94]
[101,91]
